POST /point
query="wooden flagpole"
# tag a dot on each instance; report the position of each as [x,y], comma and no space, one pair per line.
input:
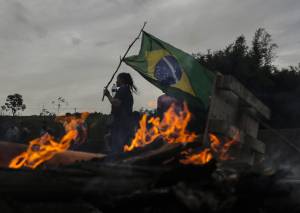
[122,59]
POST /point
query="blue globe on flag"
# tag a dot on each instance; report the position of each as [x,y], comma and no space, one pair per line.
[167,70]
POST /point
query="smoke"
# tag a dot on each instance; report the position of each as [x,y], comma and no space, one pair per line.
[280,155]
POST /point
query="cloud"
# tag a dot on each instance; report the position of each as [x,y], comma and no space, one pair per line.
[76,41]
[102,43]
[17,22]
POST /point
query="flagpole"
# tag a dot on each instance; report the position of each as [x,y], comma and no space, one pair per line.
[122,59]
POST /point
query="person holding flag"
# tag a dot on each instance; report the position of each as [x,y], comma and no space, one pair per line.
[176,73]
[121,111]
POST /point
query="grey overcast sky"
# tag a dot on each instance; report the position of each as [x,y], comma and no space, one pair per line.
[69,48]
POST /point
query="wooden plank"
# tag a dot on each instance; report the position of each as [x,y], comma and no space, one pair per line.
[9,150]
[222,127]
[156,156]
[225,128]
[228,82]
[255,144]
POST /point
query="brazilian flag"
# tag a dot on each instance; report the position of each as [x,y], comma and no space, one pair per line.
[175,72]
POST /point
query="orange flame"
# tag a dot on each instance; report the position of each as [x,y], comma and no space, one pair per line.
[45,147]
[216,147]
[223,149]
[200,158]
[172,129]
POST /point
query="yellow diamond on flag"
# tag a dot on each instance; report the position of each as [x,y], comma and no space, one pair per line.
[164,67]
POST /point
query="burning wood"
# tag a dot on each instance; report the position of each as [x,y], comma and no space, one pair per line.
[223,150]
[200,158]
[217,148]
[45,147]
[172,129]
[9,150]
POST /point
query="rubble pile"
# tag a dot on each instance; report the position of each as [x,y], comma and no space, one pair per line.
[147,180]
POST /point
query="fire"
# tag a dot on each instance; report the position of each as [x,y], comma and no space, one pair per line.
[218,149]
[200,158]
[172,129]
[223,149]
[45,147]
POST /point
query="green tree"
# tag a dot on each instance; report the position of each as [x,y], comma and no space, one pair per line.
[14,103]
[262,51]
[253,65]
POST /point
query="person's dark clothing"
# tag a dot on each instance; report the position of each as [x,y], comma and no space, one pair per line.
[125,109]
[121,127]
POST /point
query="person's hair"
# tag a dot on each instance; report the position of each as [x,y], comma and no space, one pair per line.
[127,79]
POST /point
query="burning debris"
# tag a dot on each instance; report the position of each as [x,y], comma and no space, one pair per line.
[200,158]
[217,149]
[172,128]
[45,147]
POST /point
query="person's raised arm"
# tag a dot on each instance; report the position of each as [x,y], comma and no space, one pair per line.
[114,101]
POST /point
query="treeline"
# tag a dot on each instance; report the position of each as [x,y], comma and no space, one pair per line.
[278,88]
[22,129]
